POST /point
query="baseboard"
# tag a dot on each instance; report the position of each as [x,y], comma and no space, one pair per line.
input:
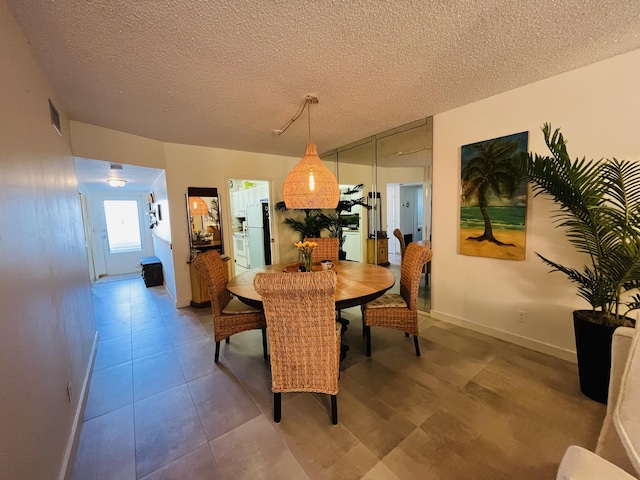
[72,443]
[179,303]
[182,303]
[526,342]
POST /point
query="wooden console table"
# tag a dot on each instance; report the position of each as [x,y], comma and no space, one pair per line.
[381,246]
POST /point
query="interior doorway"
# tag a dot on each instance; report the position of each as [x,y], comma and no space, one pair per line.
[406,211]
[253,232]
[411,212]
[120,231]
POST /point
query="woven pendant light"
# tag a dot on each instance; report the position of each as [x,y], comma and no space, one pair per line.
[197,206]
[311,185]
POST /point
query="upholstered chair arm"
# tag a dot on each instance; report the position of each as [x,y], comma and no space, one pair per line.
[609,445]
[581,464]
[622,339]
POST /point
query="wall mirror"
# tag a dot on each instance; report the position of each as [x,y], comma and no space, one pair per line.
[355,166]
[205,226]
[404,173]
[395,166]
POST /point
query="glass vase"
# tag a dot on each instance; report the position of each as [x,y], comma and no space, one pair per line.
[308,264]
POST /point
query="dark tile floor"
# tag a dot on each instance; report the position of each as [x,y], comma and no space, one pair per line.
[471,407]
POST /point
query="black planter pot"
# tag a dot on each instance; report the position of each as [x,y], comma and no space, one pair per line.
[593,347]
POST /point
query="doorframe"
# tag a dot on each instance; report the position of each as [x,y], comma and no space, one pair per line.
[98,225]
[394,217]
[273,230]
[88,235]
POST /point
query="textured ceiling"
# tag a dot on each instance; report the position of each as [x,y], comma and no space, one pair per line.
[227,73]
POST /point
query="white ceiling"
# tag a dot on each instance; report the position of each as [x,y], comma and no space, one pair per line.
[227,73]
[93,175]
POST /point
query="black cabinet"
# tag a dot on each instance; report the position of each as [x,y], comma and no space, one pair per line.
[151,271]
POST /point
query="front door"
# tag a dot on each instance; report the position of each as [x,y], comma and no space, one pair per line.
[124,240]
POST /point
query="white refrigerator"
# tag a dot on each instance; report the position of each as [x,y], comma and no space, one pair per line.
[258,237]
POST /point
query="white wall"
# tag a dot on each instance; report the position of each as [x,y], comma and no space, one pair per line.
[47,326]
[598,110]
[162,244]
[191,166]
[97,143]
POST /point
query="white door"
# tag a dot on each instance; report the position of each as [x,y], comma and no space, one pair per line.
[124,240]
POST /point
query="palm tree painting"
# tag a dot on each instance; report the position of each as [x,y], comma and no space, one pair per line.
[493,206]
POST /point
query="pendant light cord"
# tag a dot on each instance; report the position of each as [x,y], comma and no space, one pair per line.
[309,119]
[308,100]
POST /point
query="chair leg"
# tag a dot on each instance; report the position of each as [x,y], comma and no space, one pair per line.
[217,356]
[226,340]
[363,325]
[334,409]
[344,322]
[415,342]
[264,343]
[367,330]
[277,406]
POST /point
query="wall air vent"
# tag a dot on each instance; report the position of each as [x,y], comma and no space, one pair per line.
[116,166]
[55,118]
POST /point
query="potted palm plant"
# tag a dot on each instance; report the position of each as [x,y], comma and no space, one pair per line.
[334,221]
[337,221]
[309,224]
[599,208]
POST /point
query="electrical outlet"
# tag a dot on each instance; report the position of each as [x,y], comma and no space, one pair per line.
[69,391]
[522,316]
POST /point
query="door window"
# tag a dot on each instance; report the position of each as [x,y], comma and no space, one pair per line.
[123,227]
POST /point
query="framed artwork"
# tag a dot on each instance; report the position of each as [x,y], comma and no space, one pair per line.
[493,204]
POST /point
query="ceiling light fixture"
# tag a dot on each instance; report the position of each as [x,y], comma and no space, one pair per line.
[116,183]
[310,185]
[400,153]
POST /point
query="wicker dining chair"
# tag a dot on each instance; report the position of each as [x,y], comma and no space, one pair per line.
[327,249]
[398,234]
[230,315]
[426,269]
[399,311]
[304,338]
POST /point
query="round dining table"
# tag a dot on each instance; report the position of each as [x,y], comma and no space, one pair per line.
[358,283]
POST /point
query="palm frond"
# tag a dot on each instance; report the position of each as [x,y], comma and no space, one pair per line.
[598,206]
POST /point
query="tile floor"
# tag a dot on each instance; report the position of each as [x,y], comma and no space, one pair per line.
[472,407]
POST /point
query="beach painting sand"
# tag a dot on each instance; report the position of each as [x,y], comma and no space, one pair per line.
[493,205]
